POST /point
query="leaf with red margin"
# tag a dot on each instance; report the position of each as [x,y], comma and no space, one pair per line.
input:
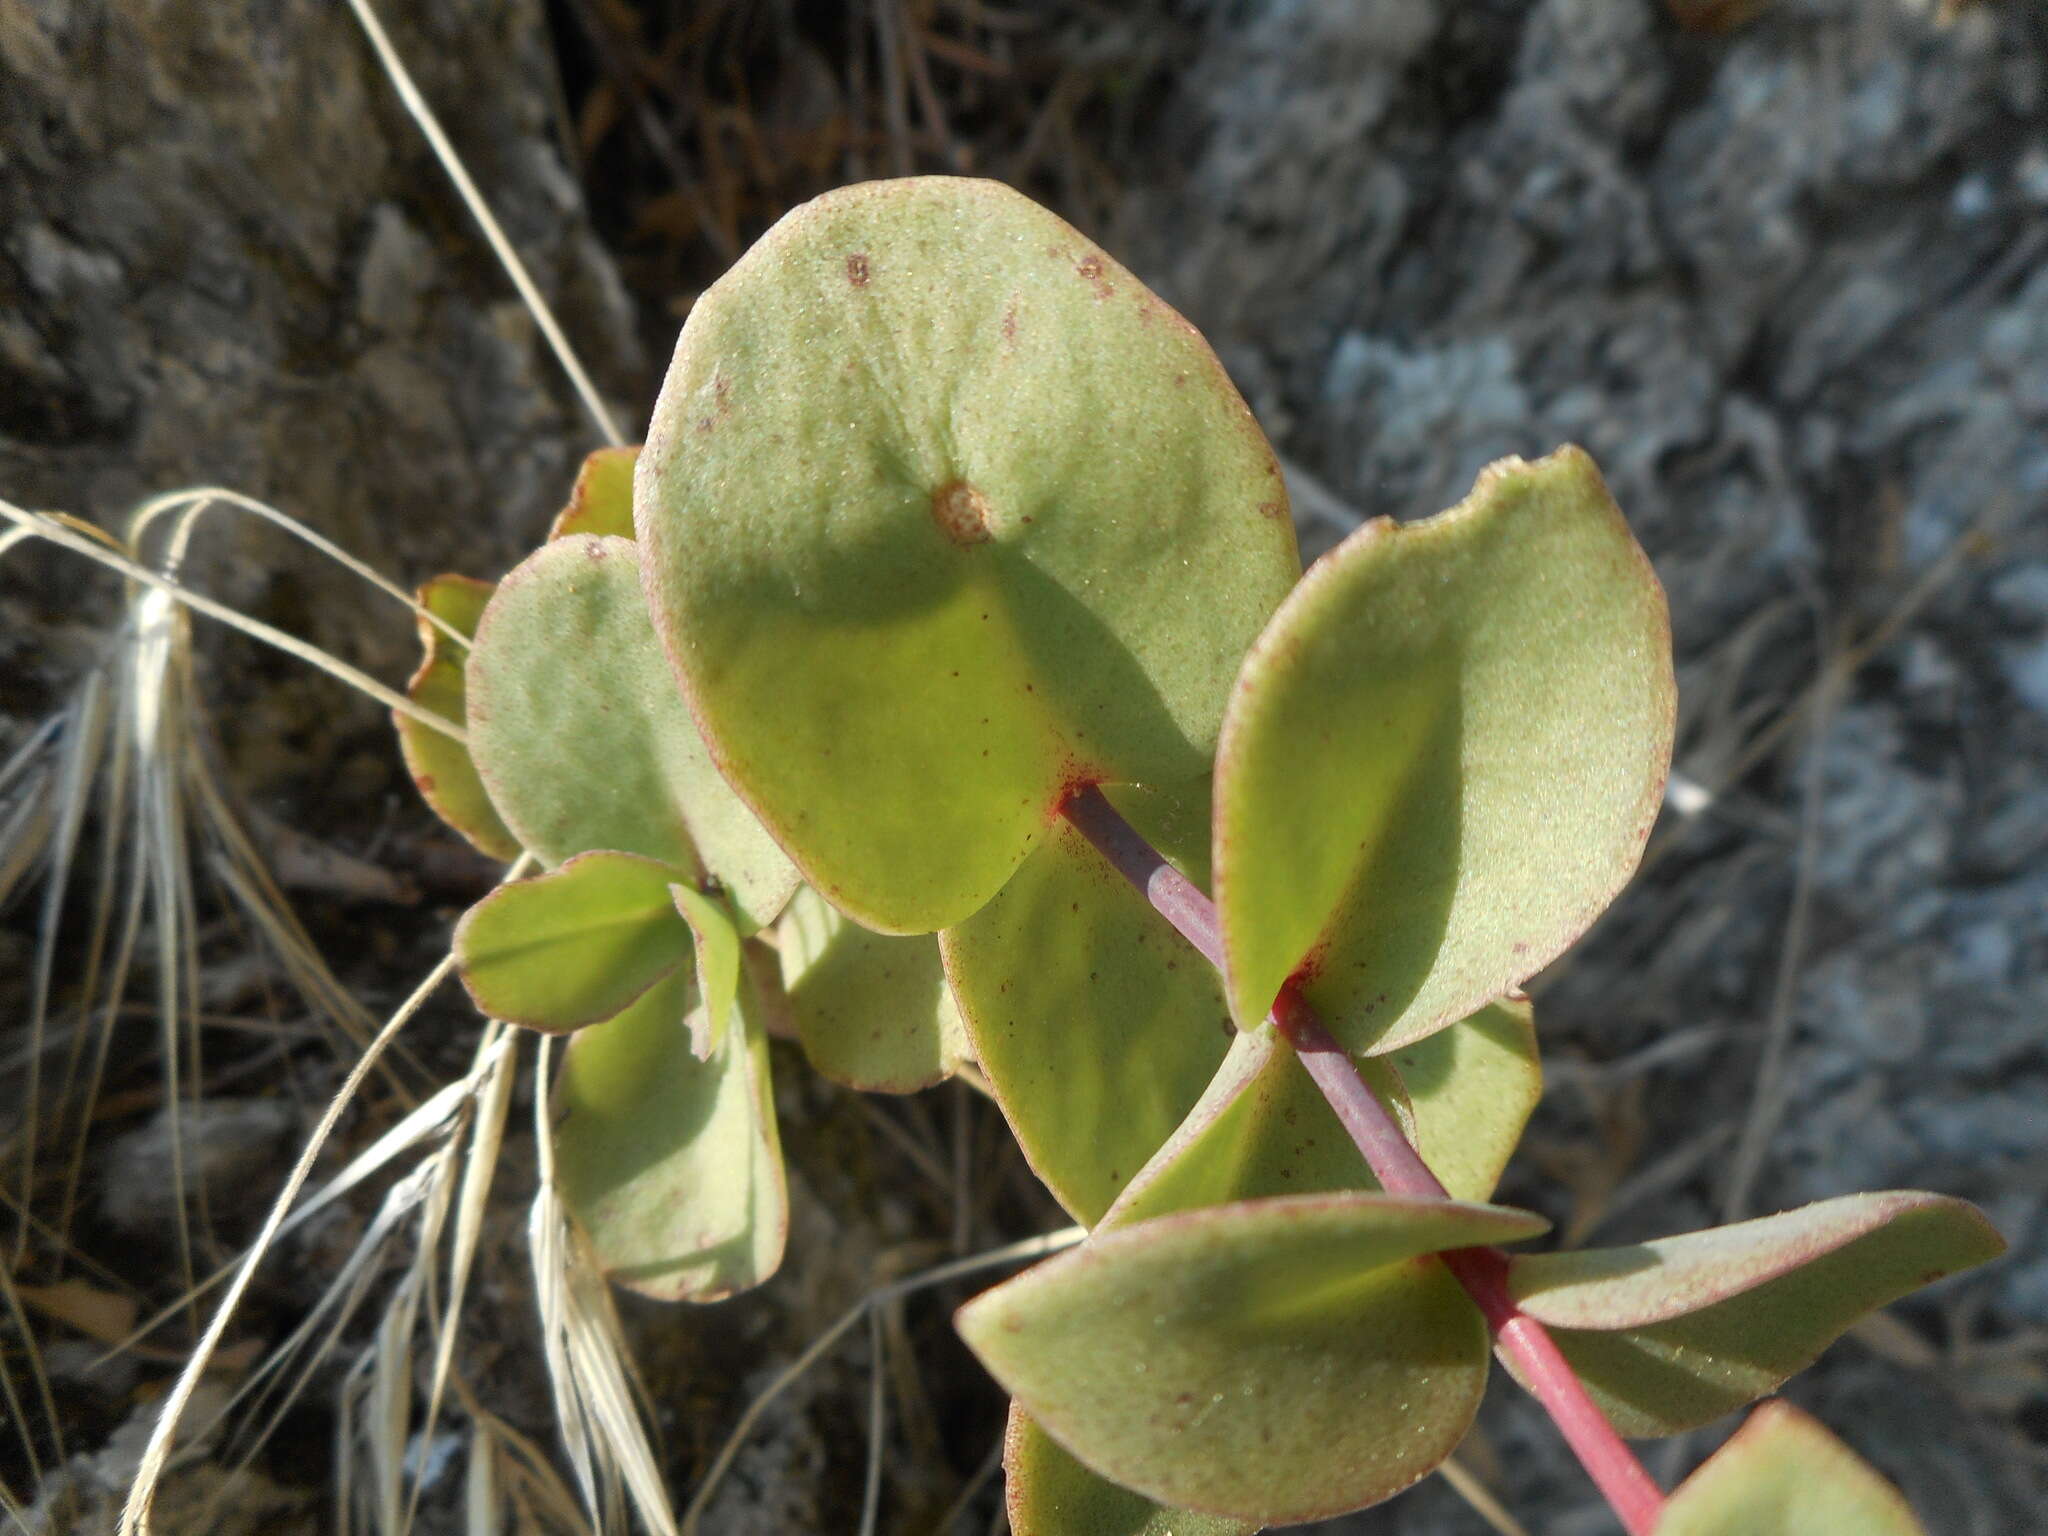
[574,946]
[943,512]
[439,764]
[1783,1474]
[1443,757]
[1275,1360]
[1049,1493]
[579,734]
[1261,1129]
[1671,1334]
[672,1165]
[601,501]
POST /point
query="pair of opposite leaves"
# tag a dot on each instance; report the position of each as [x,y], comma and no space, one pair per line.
[945,514]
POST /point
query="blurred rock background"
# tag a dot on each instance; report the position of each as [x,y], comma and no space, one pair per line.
[1778,265]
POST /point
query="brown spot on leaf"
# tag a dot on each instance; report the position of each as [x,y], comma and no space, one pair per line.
[1092,271]
[721,389]
[1274,510]
[961,512]
[857,269]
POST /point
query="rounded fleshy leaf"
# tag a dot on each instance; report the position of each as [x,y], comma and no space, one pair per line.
[1049,1493]
[601,501]
[1783,1474]
[944,512]
[717,946]
[1094,1022]
[1472,1089]
[1443,756]
[1260,1129]
[672,1165]
[573,946]
[1671,1334]
[439,764]
[872,1010]
[1276,1361]
[582,739]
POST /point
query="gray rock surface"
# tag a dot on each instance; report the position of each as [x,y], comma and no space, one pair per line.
[228,257]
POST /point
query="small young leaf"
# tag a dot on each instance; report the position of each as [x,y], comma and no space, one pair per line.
[1783,1474]
[574,946]
[673,1165]
[438,763]
[943,512]
[1095,1023]
[1276,1361]
[1048,1493]
[1671,1334]
[601,501]
[582,739]
[1443,756]
[872,1010]
[718,964]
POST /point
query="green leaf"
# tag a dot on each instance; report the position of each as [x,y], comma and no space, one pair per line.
[601,501]
[1261,1128]
[974,516]
[583,741]
[1783,1474]
[1173,818]
[1671,1334]
[671,1164]
[1443,756]
[717,945]
[438,763]
[1472,1088]
[872,1010]
[1052,1494]
[1094,1022]
[1276,1361]
[574,946]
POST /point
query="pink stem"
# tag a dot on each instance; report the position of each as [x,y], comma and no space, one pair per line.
[1483,1272]
[1629,1490]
